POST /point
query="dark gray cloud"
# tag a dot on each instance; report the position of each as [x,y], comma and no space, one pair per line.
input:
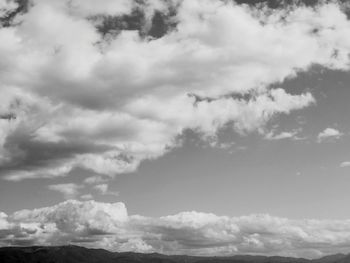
[26,153]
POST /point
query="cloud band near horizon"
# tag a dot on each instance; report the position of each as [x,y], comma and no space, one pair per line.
[108,226]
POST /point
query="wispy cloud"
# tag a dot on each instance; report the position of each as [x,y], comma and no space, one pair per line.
[273,135]
[87,197]
[103,189]
[345,164]
[95,179]
[69,190]
[329,133]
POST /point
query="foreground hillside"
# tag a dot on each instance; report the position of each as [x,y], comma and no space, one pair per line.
[75,254]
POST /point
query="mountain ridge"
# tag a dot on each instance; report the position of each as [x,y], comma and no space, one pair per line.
[75,254]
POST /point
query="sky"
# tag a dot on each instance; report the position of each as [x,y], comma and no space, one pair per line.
[200,127]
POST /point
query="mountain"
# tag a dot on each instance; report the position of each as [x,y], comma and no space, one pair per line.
[343,259]
[338,258]
[75,254]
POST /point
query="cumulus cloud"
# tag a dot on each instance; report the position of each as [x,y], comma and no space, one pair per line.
[3,221]
[106,225]
[329,133]
[82,90]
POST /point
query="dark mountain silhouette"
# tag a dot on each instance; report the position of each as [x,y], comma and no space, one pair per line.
[343,259]
[334,258]
[75,254]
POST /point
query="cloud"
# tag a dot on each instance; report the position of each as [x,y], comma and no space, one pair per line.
[344,164]
[68,190]
[103,189]
[106,225]
[329,133]
[272,135]
[7,7]
[4,224]
[94,180]
[86,197]
[71,219]
[105,101]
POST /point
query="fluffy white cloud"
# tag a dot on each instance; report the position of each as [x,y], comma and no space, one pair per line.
[109,226]
[76,217]
[3,221]
[73,97]
[329,133]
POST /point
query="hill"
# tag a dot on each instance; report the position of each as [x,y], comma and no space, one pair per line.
[76,254]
